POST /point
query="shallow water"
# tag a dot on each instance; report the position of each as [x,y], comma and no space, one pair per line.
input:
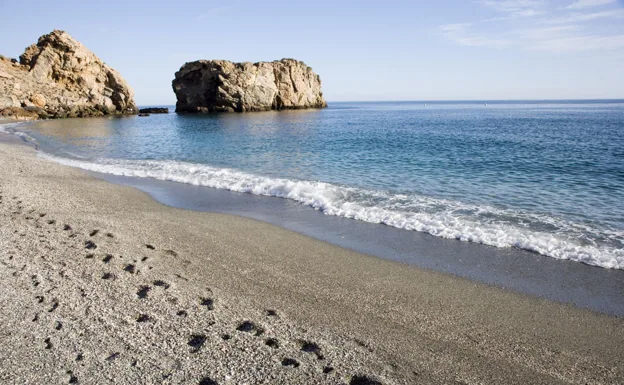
[546,177]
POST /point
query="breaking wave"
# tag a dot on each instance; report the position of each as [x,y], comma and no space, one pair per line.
[547,235]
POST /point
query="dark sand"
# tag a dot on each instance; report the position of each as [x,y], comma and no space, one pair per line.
[159,294]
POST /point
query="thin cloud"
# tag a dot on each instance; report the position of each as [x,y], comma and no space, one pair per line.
[546,33]
[516,8]
[580,43]
[567,39]
[218,11]
[557,30]
[581,4]
[581,17]
[461,34]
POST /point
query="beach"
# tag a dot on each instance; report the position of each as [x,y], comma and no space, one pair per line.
[102,284]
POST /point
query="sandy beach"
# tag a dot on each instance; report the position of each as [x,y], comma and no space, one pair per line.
[102,284]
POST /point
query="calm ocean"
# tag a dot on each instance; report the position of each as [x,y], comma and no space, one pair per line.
[547,177]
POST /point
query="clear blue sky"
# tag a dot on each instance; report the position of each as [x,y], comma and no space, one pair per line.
[363,50]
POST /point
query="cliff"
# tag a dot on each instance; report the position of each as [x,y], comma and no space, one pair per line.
[223,86]
[58,77]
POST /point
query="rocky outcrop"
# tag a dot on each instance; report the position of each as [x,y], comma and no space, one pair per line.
[223,86]
[154,110]
[58,77]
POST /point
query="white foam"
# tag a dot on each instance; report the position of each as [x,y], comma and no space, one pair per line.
[442,218]
[9,128]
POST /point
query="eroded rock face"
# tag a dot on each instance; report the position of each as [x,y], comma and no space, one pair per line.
[223,86]
[59,77]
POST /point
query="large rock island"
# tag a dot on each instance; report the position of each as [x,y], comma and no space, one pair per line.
[222,86]
[59,77]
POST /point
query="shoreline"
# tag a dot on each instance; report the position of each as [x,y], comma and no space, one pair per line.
[585,286]
[582,285]
[367,317]
[519,270]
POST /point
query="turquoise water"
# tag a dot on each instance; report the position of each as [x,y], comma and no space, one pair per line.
[541,176]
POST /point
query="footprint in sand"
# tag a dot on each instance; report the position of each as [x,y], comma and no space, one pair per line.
[161,283]
[54,306]
[113,357]
[93,233]
[311,347]
[90,245]
[107,258]
[249,327]
[207,381]
[363,380]
[72,379]
[364,345]
[272,342]
[208,302]
[290,362]
[108,276]
[196,342]
[142,292]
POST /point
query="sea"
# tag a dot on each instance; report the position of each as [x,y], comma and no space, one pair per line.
[543,177]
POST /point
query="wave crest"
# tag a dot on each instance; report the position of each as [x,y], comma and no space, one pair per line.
[546,235]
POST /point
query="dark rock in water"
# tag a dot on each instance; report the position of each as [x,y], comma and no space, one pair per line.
[144,114]
[154,110]
[206,86]
[18,113]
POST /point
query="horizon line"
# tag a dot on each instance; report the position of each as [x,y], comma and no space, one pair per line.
[447,100]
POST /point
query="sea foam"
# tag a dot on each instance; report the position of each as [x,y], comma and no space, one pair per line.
[540,233]
[9,128]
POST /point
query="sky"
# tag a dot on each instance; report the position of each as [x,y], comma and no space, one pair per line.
[363,50]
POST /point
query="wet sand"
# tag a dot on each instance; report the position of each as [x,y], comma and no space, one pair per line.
[100,283]
[510,268]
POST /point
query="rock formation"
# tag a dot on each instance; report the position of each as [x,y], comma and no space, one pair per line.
[58,77]
[223,86]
